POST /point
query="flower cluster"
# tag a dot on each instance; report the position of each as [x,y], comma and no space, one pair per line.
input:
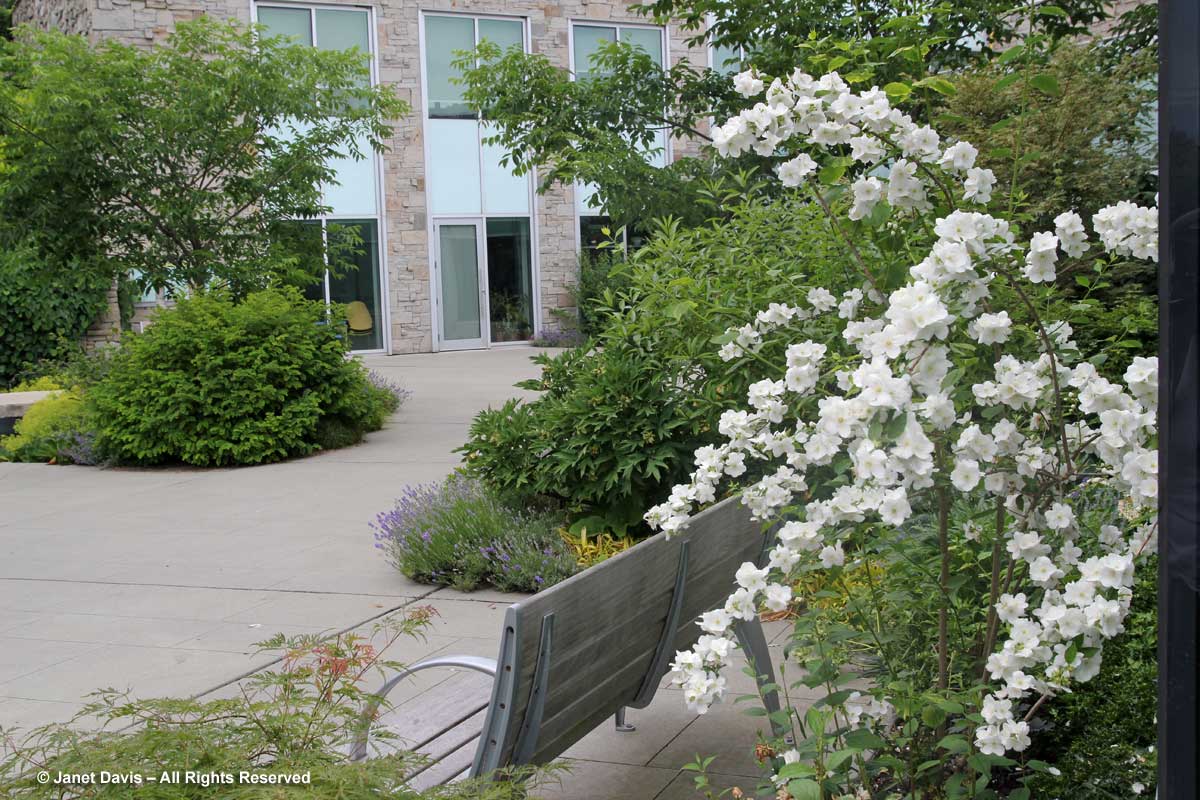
[1041,426]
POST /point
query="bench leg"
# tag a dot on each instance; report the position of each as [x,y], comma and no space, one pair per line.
[622,725]
[754,645]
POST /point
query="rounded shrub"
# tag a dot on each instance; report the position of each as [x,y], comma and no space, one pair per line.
[214,382]
[42,310]
[54,428]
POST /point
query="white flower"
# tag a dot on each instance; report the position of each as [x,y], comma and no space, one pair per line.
[1060,516]
[1041,257]
[821,299]
[1068,226]
[991,328]
[777,597]
[832,555]
[978,185]
[1010,608]
[1129,230]
[966,474]
[959,156]
[792,173]
[751,578]
[716,621]
[747,83]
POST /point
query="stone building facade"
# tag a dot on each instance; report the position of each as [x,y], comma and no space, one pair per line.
[411,229]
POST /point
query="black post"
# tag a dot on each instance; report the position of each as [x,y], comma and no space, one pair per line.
[1179,397]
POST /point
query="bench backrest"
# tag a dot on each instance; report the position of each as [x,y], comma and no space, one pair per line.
[570,656]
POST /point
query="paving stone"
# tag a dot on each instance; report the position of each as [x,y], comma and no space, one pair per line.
[597,780]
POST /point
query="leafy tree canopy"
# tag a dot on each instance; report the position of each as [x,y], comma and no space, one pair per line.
[598,129]
[185,161]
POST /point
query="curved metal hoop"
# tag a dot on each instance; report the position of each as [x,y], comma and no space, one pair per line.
[478,663]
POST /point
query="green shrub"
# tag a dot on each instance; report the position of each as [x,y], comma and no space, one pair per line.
[459,534]
[50,430]
[617,423]
[610,430]
[1101,737]
[42,309]
[213,382]
[300,718]
[601,275]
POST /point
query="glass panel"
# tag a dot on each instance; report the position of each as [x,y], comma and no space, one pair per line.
[293,22]
[588,40]
[459,267]
[341,30]
[454,186]
[354,192]
[443,37]
[510,279]
[649,39]
[303,241]
[356,282]
[503,192]
[586,202]
[727,60]
[592,232]
[505,33]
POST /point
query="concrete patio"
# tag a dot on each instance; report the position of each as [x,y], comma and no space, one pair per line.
[161,580]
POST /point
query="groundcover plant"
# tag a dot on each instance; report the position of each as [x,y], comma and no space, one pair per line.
[939,394]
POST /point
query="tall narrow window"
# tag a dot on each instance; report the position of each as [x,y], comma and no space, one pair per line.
[587,39]
[355,280]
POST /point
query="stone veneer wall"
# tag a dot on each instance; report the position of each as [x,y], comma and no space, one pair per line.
[68,16]
[399,65]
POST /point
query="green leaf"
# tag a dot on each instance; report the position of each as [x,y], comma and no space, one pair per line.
[796,769]
[833,170]
[932,716]
[897,91]
[680,309]
[1012,53]
[1006,81]
[837,758]
[1046,83]
[938,84]
[804,789]
[954,744]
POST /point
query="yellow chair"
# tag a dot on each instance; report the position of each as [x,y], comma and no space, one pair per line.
[358,318]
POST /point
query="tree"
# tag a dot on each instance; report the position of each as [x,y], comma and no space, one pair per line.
[598,129]
[184,162]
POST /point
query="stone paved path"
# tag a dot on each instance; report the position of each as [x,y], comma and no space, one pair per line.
[161,580]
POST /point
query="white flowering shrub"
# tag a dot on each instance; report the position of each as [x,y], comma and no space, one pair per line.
[935,393]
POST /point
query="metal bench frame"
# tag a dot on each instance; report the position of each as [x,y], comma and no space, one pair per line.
[505,669]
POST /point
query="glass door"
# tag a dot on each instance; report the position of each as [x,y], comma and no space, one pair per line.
[462,290]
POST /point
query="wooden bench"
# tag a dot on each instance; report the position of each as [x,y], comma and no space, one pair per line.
[588,648]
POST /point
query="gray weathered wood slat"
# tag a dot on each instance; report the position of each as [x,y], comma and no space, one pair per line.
[436,710]
[629,592]
[452,765]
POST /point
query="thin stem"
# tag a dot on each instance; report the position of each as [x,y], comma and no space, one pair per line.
[944,584]
[846,240]
[993,620]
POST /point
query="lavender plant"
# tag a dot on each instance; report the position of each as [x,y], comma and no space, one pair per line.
[459,534]
[381,381]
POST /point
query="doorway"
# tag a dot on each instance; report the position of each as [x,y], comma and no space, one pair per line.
[483,279]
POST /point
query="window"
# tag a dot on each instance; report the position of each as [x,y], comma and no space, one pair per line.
[354,276]
[589,38]
[445,38]
[465,175]
[725,59]
[482,258]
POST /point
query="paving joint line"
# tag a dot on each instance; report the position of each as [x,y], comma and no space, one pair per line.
[213,588]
